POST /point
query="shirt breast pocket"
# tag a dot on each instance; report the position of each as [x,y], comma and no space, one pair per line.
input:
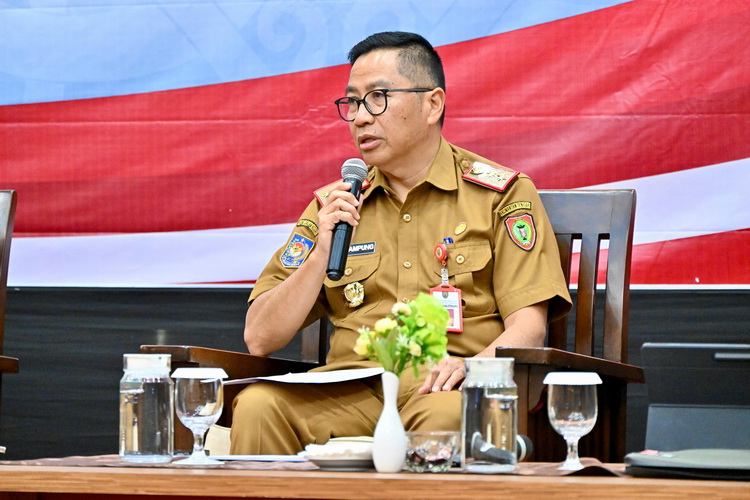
[359,270]
[470,269]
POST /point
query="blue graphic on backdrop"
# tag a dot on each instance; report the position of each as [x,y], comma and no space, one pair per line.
[75,49]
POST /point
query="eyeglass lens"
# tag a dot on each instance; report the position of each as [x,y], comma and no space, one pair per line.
[375,102]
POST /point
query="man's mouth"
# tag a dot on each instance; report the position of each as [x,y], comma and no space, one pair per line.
[367,141]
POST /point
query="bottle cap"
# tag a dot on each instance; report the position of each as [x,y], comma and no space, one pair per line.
[572,378]
[157,363]
[490,369]
[199,373]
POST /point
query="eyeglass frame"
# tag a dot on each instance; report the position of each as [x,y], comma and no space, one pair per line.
[361,101]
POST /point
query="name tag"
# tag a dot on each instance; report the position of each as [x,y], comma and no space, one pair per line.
[362,248]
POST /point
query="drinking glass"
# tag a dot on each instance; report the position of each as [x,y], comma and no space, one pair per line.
[199,398]
[572,409]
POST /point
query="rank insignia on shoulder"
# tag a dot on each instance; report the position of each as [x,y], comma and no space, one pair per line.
[296,251]
[322,194]
[493,177]
[522,231]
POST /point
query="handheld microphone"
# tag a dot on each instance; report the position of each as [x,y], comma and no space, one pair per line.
[354,171]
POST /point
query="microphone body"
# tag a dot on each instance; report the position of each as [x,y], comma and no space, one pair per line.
[354,171]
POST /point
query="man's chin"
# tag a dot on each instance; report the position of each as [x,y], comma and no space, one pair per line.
[371,157]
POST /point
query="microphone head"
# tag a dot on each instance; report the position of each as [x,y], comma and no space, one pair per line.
[354,168]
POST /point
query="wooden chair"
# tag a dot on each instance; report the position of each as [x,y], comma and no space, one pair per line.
[588,215]
[7,217]
[314,342]
[601,346]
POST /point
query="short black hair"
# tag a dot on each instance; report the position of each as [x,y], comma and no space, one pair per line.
[417,58]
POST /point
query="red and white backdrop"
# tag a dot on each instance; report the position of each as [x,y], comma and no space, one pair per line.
[175,142]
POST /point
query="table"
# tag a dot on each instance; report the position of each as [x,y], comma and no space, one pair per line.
[22,482]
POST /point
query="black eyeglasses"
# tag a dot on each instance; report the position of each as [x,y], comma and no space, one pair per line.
[375,101]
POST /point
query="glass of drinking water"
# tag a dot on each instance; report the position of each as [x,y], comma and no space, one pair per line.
[199,399]
[572,409]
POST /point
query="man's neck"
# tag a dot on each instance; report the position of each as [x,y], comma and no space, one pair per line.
[413,171]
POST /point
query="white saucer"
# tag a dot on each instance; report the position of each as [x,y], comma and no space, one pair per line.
[342,463]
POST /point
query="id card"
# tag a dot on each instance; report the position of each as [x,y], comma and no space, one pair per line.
[450,297]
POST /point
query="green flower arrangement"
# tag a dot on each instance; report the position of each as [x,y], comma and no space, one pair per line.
[413,334]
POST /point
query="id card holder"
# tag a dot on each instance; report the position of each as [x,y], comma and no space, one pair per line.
[450,297]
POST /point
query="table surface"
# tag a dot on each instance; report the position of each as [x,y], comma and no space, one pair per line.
[47,482]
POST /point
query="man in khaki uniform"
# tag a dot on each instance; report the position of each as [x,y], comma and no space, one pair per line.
[420,191]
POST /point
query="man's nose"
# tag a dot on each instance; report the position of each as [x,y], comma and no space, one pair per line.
[363,115]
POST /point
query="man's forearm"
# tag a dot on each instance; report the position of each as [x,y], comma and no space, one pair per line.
[275,316]
[526,327]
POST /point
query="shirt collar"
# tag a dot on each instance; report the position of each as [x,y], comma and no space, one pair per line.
[441,173]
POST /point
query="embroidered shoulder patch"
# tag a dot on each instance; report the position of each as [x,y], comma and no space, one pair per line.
[522,231]
[512,207]
[296,251]
[497,178]
[312,226]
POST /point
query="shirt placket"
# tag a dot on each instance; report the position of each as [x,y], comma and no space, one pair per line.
[408,250]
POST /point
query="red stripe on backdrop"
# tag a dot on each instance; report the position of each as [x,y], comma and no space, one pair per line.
[642,88]
[705,260]
[220,156]
[715,259]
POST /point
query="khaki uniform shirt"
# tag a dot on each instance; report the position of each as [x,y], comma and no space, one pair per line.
[498,273]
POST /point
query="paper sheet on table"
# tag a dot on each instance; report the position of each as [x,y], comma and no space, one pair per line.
[314,377]
[259,458]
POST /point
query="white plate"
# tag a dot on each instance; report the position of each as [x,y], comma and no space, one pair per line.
[342,463]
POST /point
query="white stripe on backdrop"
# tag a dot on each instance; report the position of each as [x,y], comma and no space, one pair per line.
[681,204]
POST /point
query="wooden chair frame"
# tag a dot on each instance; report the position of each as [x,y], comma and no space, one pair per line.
[589,217]
[8,200]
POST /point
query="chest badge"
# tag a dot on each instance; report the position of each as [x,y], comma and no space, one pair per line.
[354,293]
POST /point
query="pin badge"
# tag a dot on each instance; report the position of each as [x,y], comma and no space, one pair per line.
[460,228]
[354,293]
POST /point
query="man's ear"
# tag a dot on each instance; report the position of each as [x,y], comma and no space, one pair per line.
[436,101]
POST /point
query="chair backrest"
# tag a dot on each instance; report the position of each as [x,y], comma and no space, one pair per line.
[7,217]
[592,217]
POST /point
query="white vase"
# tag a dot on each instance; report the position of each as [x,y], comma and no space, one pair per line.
[389,439]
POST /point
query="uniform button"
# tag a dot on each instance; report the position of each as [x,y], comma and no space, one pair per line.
[460,259]
[348,271]
[407,217]
[405,300]
[407,264]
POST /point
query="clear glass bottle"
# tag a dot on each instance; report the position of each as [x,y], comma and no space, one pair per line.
[490,416]
[146,409]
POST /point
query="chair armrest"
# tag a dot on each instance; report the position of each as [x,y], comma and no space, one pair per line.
[236,364]
[8,364]
[556,358]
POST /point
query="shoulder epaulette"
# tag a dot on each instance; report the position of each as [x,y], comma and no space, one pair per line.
[493,177]
[321,194]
